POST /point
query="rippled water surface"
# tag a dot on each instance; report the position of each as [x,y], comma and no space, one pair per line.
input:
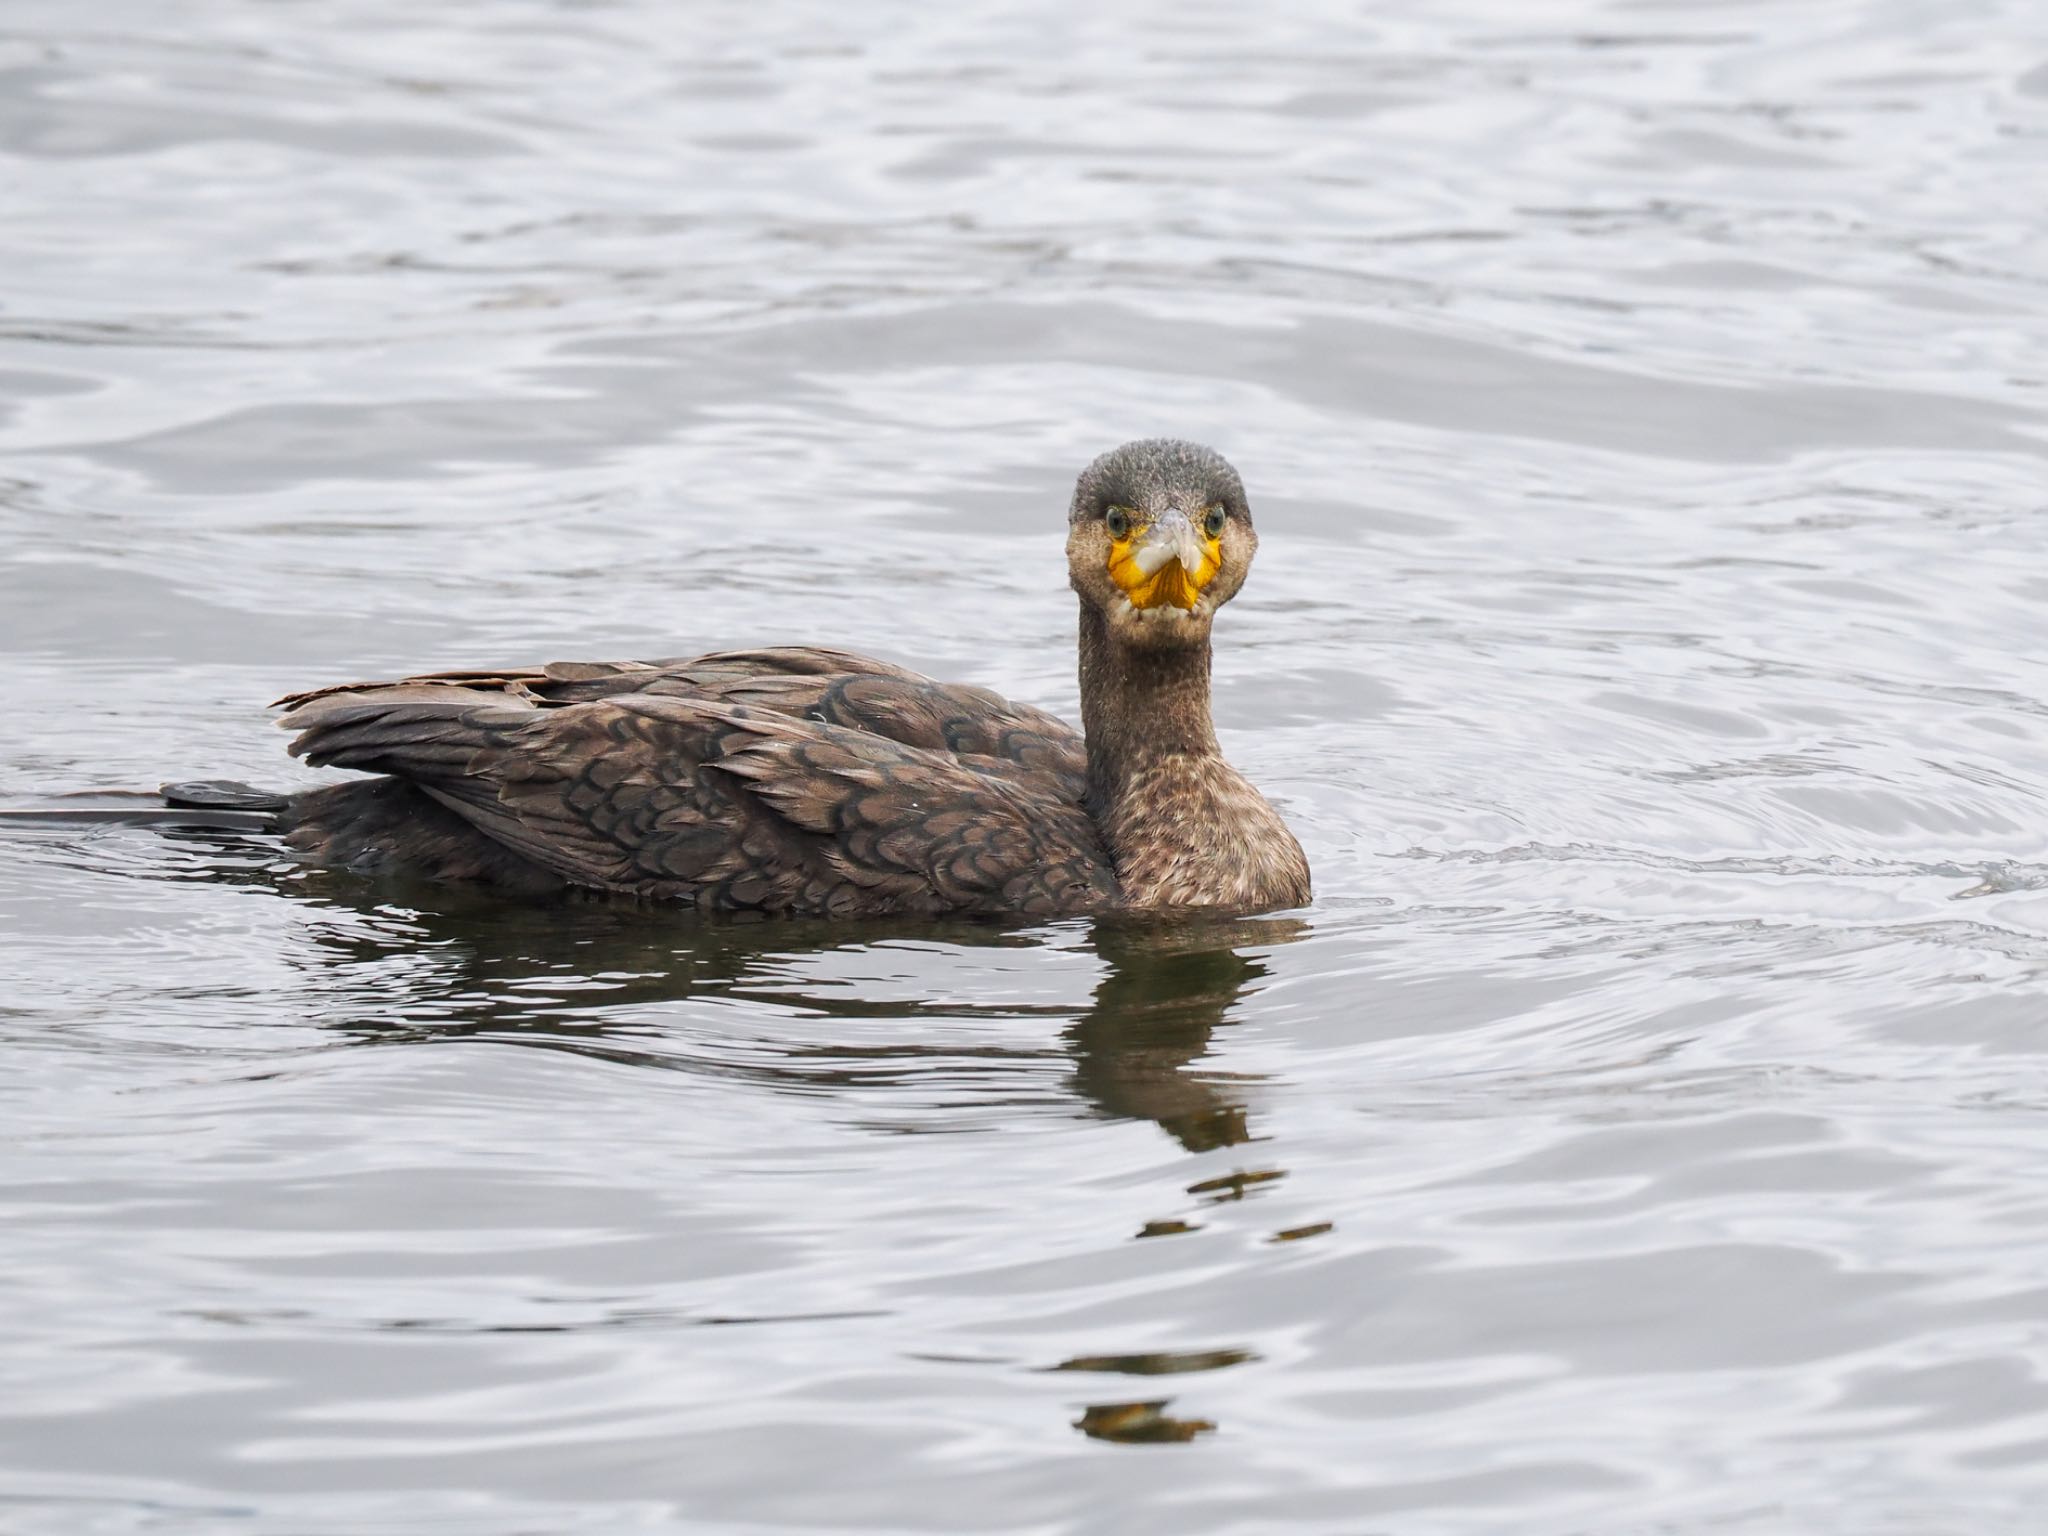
[1643,407]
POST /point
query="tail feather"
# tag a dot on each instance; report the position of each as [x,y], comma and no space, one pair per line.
[216,803]
[379,826]
[221,795]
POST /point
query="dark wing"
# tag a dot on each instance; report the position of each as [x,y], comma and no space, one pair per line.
[578,682]
[739,782]
[811,683]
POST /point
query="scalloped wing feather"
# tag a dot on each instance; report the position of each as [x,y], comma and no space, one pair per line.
[788,780]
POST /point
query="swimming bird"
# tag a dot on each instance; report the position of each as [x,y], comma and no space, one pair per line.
[800,781]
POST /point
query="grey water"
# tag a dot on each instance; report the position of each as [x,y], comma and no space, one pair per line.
[1645,411]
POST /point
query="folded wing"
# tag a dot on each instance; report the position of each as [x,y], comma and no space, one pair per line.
[782,781]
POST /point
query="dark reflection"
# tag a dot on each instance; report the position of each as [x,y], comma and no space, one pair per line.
[1168,986]
[1297,1234]
[1158,1362]
[1139,1423]
[1235,1186]
[389,962]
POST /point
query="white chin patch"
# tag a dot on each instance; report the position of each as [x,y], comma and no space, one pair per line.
[1162,615]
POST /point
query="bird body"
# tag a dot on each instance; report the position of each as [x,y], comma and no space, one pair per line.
[818,782]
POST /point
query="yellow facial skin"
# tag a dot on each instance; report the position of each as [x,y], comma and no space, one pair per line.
[1168,550]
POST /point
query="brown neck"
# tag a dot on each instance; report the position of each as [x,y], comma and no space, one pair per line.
[1181,827]
[1139,709]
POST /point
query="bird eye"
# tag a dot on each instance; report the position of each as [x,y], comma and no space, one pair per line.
[1213,523]
[1118,521]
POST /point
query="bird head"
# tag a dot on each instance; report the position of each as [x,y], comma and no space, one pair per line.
[1159,536]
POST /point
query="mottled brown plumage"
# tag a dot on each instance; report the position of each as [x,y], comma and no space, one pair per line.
[819,782]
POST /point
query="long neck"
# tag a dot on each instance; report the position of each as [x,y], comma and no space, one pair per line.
[1140,709]
[1182,827]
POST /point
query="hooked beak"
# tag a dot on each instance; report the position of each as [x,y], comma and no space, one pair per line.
[1171,537]
[1167,562]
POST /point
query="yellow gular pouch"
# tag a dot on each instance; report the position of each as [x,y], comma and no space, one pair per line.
[1170,582]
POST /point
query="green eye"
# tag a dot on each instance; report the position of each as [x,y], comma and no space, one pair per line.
[1213,523]
[1118,522]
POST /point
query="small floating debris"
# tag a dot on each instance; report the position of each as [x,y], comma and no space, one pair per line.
[1139,1424]
[1232,1186]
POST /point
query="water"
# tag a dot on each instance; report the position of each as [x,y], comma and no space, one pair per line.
[1642,405]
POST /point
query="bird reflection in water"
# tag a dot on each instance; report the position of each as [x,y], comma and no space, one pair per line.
[398,963]
[1167,986]
[1139,1423]
[390,964]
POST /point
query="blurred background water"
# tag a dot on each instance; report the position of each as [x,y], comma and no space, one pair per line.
[1643,407]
